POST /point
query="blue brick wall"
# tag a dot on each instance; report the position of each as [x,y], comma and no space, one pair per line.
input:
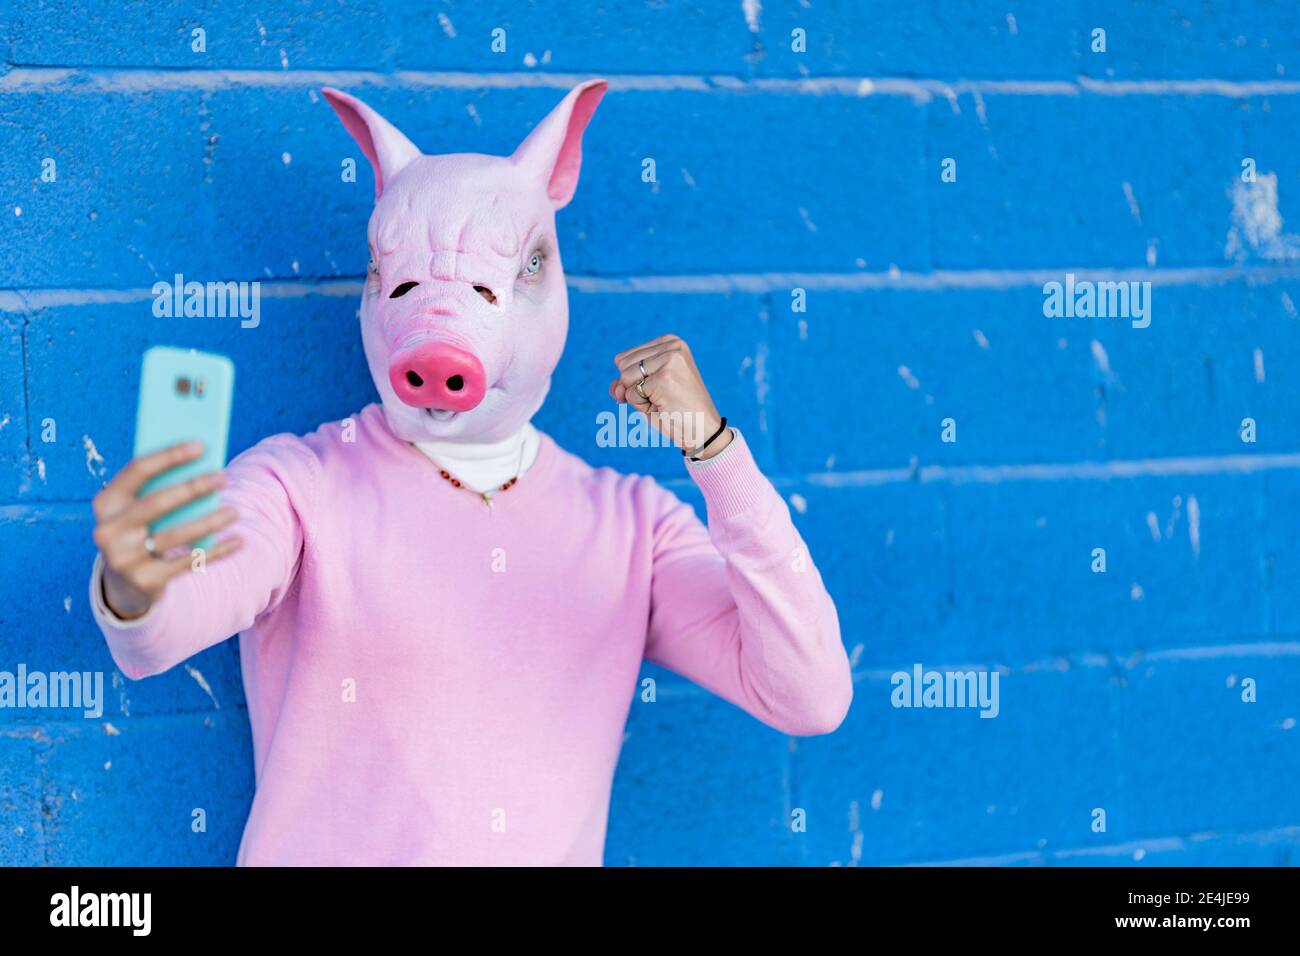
[817,170]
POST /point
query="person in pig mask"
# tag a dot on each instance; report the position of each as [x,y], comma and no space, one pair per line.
[442,614]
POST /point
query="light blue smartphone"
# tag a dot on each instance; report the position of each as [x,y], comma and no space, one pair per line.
[185,395]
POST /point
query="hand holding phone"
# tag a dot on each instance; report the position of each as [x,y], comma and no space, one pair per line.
[165,500]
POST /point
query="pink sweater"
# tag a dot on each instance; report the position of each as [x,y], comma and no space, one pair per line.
[433,682]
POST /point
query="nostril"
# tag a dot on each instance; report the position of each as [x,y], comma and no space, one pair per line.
[414,379]
[486,293]
[455,383]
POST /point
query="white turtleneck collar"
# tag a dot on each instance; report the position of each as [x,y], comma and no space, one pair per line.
[485,467]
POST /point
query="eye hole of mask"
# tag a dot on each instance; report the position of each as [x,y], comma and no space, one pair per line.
[402,289]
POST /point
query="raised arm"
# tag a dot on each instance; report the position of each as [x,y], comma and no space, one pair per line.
[158,611]
[740,608]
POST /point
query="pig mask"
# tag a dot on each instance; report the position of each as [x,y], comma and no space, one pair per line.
[465,309]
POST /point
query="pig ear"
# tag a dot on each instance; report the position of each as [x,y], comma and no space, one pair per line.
[383,143]
[553,150]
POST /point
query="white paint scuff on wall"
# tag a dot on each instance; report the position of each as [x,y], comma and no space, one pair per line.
[1134,209]
[202,682]
[94,460]
[1102,359]
[1256,227]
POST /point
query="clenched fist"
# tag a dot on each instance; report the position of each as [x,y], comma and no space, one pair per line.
[135,576]
[672,396]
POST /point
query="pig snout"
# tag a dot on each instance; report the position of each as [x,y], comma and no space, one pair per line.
[438,375]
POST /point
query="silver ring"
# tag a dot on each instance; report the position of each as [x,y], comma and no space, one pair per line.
[151,546]
[644,374]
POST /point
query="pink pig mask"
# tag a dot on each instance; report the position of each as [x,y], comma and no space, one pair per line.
[465,309]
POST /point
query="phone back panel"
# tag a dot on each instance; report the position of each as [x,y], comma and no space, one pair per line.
[185,395]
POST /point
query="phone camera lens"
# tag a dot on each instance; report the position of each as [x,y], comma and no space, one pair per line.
[183,386]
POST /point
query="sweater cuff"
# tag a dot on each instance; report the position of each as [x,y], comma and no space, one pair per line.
[104,615]
[730,480]
[129,642]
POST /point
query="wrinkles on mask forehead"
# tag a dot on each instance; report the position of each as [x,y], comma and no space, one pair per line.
[478,233]
[456,243]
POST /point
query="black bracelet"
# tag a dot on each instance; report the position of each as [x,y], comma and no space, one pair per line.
[714,437]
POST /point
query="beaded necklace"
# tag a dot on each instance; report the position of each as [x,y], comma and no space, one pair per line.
[485,495]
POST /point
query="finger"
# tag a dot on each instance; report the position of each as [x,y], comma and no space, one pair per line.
[153,506]
[653,362]
[128,552]
[621,358]
[120,492]
[642,399]
[621,393]
[124,550]
[194,530]
[630,358]
[654,345]
[159,571]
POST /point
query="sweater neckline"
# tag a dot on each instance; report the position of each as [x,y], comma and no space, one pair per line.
[485,467]
[530,484]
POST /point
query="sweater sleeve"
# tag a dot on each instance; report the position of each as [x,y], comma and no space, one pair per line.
[740,608]
[271,487]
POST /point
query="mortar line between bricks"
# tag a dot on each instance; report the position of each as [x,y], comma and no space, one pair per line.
[1061,663]
[1266,649]
[65,509]
[29,460]
[1263,650]
[12,729]
[96,79]
[927,218]
[45,782]
[763,376]
[46,811]
[1176,842]
[1085,470]
[24,299]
